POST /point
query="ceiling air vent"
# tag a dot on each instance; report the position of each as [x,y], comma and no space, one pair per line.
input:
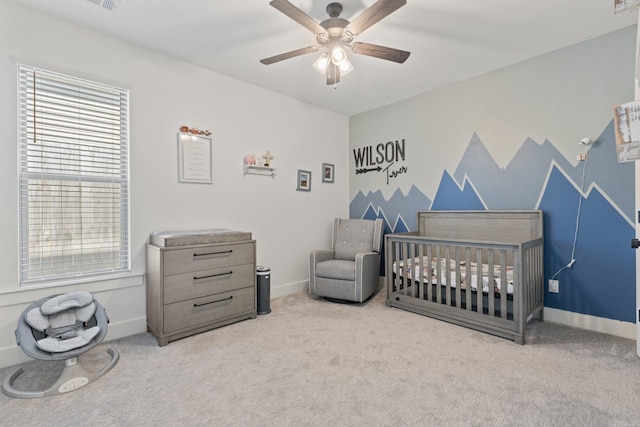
[107,4]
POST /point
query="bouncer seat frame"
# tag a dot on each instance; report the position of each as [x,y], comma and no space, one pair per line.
[68,326]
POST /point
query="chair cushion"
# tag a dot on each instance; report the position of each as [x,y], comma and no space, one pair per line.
[337,269]
[354,236]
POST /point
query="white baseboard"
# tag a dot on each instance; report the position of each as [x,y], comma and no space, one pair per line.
[126,328]
[289,288]
[292,288]
[591,323]
[11,356]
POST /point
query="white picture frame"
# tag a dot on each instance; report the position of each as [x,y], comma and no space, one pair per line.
[195,158]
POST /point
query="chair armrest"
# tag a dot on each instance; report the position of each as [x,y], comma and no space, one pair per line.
[366,257]
[368,271]
[315,257]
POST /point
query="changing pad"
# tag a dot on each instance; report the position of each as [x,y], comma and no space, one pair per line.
[197,237]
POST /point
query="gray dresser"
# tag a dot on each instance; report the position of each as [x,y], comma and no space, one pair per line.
[199,280]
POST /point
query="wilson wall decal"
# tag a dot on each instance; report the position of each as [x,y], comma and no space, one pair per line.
[384,157]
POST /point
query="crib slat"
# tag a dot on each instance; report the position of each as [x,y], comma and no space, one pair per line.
[504,285]
[447,274]
[479,299]
[417,281]
[429,281]
[411,282]
[458,279]
[398,258]
[491,280]
[468,278]
[407,266]
[438,275]
[420,281]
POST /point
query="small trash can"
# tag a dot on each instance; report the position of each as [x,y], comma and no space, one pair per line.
[264,289]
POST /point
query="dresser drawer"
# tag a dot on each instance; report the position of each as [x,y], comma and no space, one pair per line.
[199,311]
[180,287]
[207,257]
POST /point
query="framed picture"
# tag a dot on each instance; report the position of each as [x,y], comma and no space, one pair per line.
[327,172]
[620,6]
[194,158]
[304,180]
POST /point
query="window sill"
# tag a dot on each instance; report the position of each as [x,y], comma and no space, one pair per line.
[28,294]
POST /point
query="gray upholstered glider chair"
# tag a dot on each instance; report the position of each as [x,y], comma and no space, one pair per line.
[350,270]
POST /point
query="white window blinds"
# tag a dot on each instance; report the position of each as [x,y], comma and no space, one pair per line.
[73,177]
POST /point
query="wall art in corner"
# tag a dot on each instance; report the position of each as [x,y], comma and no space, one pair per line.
[195,158]
[626,119]
[620,6]
[327,172]
[304,180]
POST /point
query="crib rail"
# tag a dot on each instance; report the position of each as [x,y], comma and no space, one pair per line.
[494,287]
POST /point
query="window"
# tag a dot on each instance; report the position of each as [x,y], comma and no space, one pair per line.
[74,213]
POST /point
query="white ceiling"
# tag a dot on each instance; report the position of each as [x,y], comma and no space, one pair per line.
[449,40]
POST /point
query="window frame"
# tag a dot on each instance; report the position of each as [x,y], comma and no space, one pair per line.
[96,175]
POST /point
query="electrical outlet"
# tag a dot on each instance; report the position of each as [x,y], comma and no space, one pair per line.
[554,286]
[581,157]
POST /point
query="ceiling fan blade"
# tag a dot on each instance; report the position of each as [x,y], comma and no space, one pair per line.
[377,11]
[297,15]
[382,52]
[288,55]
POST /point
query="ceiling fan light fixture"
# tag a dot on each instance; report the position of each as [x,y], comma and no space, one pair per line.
[322,63]
[338,55]
[345,67]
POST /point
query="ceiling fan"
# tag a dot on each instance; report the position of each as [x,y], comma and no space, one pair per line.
[335,33]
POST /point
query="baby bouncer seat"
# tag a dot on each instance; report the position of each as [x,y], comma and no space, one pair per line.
[61,327]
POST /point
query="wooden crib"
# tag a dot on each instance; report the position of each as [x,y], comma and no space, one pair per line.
[479,269]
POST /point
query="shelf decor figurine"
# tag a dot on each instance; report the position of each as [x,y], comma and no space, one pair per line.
[267,158]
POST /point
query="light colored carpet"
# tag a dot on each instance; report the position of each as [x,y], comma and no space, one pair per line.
[312,362]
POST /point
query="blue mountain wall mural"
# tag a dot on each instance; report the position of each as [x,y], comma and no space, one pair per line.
[399,212]
[519,184]
[602,280]
[451,197]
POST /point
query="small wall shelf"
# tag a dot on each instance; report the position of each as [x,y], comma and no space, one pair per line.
[260,170]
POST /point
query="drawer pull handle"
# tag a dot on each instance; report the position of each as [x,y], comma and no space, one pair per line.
[214,253]
[213,275]
[213,302]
